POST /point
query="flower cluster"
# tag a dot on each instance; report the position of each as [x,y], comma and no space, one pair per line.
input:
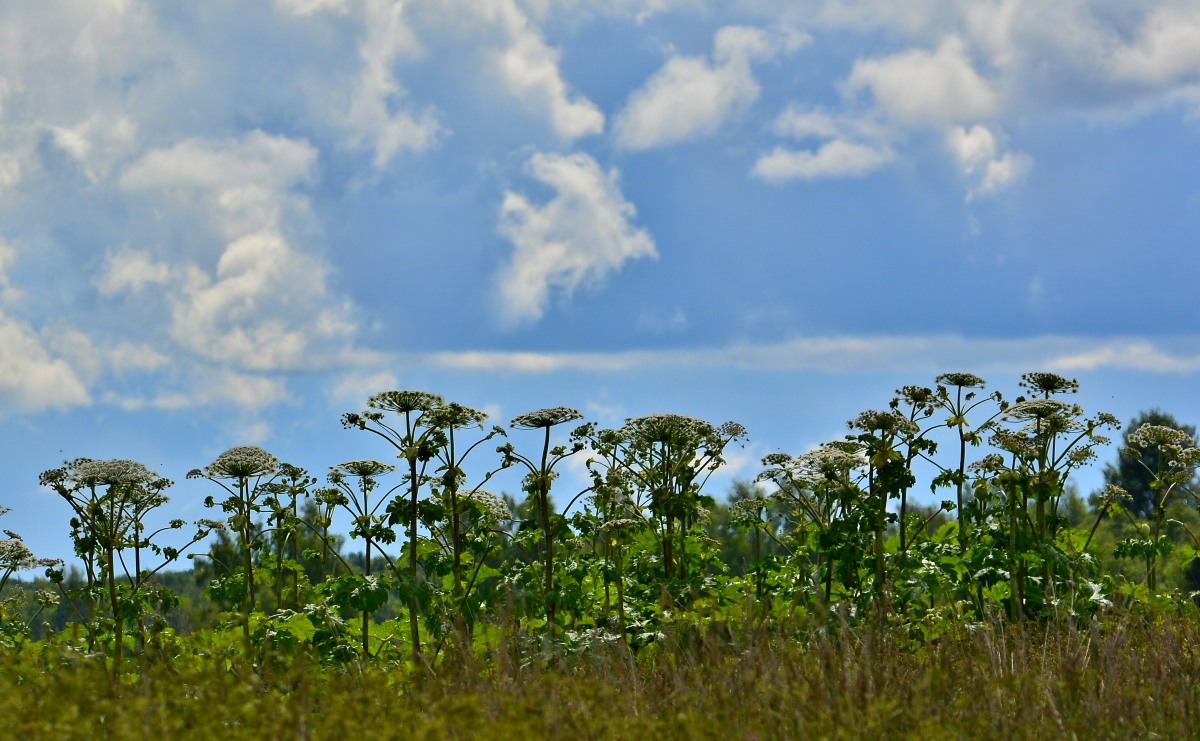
[458,416]
[241,462]
[14,554]
[544,418]
[1049,383]
[1160,436]
[116,472]
[889,423]
[405,401]
[962,380]
[363,469]
[494,508]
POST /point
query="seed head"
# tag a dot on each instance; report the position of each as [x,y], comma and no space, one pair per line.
[405,401]
[545,418]
[1049,383]
[364,469]
[962,380]
[242,462]
[117,472]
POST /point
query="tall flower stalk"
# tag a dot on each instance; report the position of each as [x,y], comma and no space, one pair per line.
[367,523]
[537,484]
[416,437]
[249,470]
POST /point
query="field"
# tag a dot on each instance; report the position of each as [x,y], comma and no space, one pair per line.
[821,602]
[1135,679]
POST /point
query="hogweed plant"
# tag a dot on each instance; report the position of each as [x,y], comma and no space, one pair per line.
[15,556]
[249,470]
[1176,461]
[368,525]
[452,513]
[416,436]
[537,483]
[643,561]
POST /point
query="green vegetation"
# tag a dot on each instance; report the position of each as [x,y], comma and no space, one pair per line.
[821,600]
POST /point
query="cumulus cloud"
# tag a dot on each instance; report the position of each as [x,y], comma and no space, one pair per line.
[691,97]
[918,86]
[529,68]
[985,167]
[849,147]
[375,119]
[267,305]
[256,159]
[264,308]
[1165,50]
[97,143]
[129,271]
[579,236]
[31,378]
[834,159]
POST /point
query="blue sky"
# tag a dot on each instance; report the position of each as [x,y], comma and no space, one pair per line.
[228,223]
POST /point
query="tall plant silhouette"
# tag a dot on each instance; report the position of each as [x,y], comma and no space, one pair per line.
[249,471]
[537,484]
[368,525]
[416,437]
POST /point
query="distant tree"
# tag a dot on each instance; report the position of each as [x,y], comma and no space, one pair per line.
[1135,477]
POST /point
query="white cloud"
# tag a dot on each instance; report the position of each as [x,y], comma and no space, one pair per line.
[919,87]
[853,354]
[267,305]
[1165,50]
[31,379]
[580,236]
[97,143]
[977,152]
[10,171]
[129,270]
[8,255]
[310,7]
[253,159]
[529,68]
[851,147]
[691,97]
[375,120]
[357,386]
[834,159]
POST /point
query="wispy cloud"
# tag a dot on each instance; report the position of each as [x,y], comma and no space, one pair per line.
[845,354]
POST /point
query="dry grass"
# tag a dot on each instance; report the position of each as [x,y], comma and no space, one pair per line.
[1129,679]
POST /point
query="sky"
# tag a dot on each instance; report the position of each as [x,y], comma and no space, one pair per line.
[230,222]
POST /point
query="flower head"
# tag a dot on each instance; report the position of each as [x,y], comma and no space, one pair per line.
[545,418]
[1038,409]
[241,462]
[962,380]
[405,401]
[363,469]
[889,423]
[676,429]
[1049,383]
[15,555]
[459,416]
[117,472]
[493,507]
[1153,436]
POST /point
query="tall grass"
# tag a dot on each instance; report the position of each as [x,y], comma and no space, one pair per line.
[1136,678]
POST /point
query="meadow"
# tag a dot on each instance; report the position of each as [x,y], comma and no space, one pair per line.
[822,601]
